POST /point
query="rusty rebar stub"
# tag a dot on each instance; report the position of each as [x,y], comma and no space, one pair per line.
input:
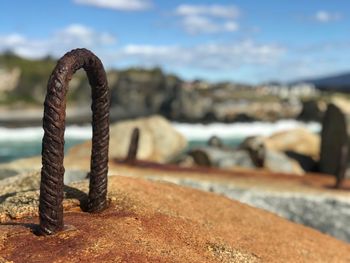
[51,187]
[342,165]
[133,146]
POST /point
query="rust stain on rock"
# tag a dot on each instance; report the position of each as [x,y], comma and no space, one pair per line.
[158,222]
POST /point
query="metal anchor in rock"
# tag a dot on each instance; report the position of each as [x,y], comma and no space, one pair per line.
[52,173]
[133,146]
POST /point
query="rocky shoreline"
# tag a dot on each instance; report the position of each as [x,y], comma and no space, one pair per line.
[145,92]
[275,173]
[185,109]
[160,145]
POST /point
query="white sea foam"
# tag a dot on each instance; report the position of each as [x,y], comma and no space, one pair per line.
[190,131]
[36,133]
[240,130]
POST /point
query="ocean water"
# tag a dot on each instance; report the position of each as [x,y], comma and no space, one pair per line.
[18,143]
[25,142]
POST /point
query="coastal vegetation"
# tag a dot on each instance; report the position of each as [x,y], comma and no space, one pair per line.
[137,92]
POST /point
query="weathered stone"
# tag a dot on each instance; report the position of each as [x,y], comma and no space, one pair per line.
[191,105]
[310,199]
[300,141]
[312,110]
[279,162]
[216,157]
[201,157]
[5,173]
[19,194]
[185,161]
[270,159]
[342,103]
[258,157]
[325,212]
[215,141]
[138,92]
[159,141]
[159,222]
[256,149]
[335,135]
[23,165]
[9,79]
[237,159]
[20,183]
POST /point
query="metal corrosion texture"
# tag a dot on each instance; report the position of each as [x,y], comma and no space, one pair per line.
[133,146]
[51,188]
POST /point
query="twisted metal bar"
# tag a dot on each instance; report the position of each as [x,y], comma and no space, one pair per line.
[133,146]
[51,188]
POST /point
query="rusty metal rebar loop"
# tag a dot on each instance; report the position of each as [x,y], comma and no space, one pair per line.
[51,188]
[133,146]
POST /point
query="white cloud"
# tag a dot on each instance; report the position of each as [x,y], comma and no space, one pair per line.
[207,59]
[205,56]
[201,24]
[60,42]
[12,40]
[219,11]
[325,17]
[207,19]
[214,56]
[79,34]
[231,26]
[123,5]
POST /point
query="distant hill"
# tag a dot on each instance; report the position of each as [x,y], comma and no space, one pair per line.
[29,87]
[32,80]
[340,82]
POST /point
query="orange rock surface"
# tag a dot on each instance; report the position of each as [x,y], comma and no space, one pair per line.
[161,222]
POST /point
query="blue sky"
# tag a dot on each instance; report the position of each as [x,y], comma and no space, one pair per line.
[243,40]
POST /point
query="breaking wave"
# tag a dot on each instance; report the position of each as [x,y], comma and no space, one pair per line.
[241,130]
